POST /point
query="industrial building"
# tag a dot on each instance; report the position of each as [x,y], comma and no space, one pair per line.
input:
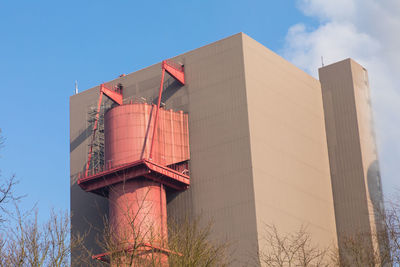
[235,134]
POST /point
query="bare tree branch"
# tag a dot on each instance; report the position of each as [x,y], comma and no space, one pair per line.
[7,187]
[29,243]
[292,249]
[195,246]
[141,244]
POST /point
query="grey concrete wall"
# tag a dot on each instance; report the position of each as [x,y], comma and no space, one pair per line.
[289,155]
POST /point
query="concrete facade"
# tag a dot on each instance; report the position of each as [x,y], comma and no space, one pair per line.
[258,146]
[288,146]
[356,181]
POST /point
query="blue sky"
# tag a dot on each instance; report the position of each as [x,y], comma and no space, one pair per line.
[46,45]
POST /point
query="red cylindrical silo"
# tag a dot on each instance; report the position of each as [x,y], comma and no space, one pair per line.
[137,208]
[129,129]
[126,129]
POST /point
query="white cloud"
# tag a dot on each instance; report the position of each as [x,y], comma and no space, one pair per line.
[369,32]
[325,10]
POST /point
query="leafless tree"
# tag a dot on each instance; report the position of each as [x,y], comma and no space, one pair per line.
[391,229]
[292,249]
[379,248]
[130,245]
[361,250]
[6,195]
[29,243]
[195,245]
[141,244]
[7,186]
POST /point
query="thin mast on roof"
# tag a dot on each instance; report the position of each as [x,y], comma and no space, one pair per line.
[76,86]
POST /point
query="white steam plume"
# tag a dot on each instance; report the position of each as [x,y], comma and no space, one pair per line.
[369,32]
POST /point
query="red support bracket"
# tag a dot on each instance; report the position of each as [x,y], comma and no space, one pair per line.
[175,70]
[113,95]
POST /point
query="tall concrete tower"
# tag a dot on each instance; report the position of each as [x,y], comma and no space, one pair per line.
[356,182]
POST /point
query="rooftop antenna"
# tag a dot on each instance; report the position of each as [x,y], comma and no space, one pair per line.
[76,87]
[322,61]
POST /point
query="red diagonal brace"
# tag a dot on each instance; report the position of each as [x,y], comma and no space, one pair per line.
[116,97]
[175,71]
[156,117]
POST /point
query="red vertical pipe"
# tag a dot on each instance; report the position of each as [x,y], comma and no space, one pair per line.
[137,215]
[138,206]
[158,107]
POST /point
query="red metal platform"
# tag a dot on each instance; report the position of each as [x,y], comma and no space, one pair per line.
[100,182]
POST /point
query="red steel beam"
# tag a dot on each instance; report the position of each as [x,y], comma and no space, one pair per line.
[148,246]
[158,108]
[177,73]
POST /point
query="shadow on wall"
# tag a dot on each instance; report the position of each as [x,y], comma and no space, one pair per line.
[80,138]
[88,220]
[169,90]
[376,194]
[375,187]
